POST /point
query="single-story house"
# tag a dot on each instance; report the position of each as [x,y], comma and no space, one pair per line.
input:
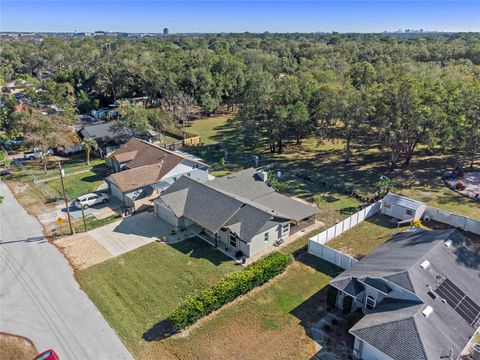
[72,145]
[143,170]
[420,293]
[401,207]
[238,213]
[110,139]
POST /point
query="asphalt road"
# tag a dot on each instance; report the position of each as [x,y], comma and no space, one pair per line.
[39,297]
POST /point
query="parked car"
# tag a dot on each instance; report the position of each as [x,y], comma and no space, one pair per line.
[13,144]
[49,354]
[35,154]
[5,171]
[87,200]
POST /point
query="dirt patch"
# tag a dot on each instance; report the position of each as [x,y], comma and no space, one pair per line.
[82,250]
[16,348]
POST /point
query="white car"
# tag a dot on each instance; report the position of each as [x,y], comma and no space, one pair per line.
[87,200]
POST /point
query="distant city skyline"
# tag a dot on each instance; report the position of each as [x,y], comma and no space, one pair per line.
[238,16]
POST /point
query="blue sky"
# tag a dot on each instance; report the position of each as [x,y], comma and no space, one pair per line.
[238,16]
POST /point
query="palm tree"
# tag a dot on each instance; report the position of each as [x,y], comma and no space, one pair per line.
[89,144]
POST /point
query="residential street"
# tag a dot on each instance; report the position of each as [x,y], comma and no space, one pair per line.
[39,297]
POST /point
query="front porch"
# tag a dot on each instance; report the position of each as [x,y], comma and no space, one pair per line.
[222,247]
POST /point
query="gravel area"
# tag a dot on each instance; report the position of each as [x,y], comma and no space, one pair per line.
[82,250]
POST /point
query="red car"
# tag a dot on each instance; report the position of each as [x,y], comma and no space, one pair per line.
[47,355]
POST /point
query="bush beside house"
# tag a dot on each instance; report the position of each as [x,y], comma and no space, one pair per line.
[227,289]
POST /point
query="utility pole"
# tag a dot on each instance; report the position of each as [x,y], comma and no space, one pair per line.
[84,222]
[66,199]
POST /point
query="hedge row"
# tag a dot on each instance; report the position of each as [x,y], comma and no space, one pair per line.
[228,288]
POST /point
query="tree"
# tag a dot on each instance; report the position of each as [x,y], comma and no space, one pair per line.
[353,107]
[471,121]
[89,144]
[409,112]
[132,117]
[44,133]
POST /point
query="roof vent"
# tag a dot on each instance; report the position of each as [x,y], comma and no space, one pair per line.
[425,264]
[427,311]
[448,243]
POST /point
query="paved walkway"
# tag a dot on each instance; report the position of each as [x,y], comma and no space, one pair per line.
[66,175]
[39,297]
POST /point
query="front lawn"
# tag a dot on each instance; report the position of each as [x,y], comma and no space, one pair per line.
[136,290]
[363,238]
[79,177]
[80,183]
[269,323]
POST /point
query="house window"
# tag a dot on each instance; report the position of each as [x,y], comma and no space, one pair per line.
[174,178]
[265,237]
[370,302]
[285,229]
[188,174]
[233,240]
[408,212]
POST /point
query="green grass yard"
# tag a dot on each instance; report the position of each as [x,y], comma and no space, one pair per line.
[136,290]
[360,240]
[324,161]
[81,183]
[209,128]
[268,323]
[79,177]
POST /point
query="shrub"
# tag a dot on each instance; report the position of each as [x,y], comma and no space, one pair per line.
[228,288]
[331,297]
[347,304]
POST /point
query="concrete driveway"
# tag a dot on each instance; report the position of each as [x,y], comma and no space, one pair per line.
[39,297]
[130,233]
[114,204]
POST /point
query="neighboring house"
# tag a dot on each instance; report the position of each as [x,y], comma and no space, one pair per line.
[401,207]
[143,170]
[420,293]
[72,145]
[109,139]
[237,212]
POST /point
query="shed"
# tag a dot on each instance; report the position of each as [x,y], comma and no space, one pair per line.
[401,207]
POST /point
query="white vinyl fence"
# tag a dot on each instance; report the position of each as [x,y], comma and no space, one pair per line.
[458,221]
[316,244]
[346,224]
[331,255]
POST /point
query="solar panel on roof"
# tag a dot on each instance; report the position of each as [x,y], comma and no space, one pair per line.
[459,301]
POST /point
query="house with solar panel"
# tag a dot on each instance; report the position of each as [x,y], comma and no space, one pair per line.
[420,296]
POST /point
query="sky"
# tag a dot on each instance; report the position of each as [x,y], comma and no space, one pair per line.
[238,16]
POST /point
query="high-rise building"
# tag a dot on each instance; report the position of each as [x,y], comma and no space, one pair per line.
[165,32]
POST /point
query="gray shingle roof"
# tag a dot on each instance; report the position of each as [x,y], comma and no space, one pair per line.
[247,186]
[397,335]
[102,131]
[205,206]
[211,206]
[397,262]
